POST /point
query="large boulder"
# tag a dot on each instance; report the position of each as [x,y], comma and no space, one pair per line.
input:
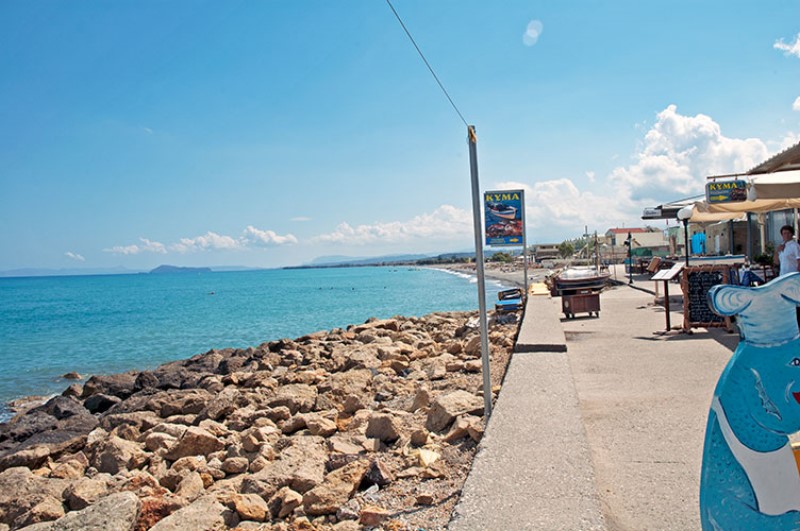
[21,491]
[447,407]
[297,397]
[114,454]
[116,512]
[383,426]
[335,490]
[352,382]
[85,491]
[119,385]
[195,441]
[205,514]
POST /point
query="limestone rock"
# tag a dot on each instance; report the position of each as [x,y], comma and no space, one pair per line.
[251,507]
[319,425]
[70,469]
[156,508]
[100,402]
[205,514]
[384,427]
[372,516]
[235,465]
[195,441]
[119,385]
[420,437]
[21,490]
[284,502]
[116,512]
[157,440]
[85,492]
[351,382]
[379,474]
[46,510]
[473,366]
[447,407]
[335,490]
[297,397]
[191,486]
[32,458]
[464,426]
[115,454]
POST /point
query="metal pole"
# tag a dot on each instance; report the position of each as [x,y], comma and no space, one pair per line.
[630,259]
[749,238]
[476,217]
[686,239]
[524,246]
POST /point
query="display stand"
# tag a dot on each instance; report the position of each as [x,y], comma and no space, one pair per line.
[667,276]
[695,282]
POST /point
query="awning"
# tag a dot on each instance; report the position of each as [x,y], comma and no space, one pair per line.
[778,185]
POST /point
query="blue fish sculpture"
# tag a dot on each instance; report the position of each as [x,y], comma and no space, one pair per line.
[750,478]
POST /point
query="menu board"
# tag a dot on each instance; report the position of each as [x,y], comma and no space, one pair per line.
[696,282]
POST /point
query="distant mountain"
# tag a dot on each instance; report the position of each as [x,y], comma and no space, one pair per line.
[335,261]
[162,269]
[67,272]
[236,268]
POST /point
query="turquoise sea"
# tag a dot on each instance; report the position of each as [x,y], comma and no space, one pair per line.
[106,324]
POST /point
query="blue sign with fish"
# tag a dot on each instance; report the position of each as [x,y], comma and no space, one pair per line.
[504,217]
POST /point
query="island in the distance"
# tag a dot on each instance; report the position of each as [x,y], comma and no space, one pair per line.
[177,269]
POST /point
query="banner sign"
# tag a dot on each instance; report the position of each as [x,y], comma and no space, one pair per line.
[504,217]
[726,191]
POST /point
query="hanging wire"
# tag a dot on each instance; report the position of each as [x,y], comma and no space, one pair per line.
[427,63]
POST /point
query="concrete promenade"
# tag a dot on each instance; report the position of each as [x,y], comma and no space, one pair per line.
[607,434]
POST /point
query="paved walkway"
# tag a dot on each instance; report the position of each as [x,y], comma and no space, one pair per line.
[607,435]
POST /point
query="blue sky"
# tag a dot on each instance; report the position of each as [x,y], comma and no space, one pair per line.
[269,133]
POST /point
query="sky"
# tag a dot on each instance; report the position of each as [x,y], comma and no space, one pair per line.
[266,134]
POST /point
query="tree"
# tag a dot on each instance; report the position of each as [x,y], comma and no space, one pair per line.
[501,257]
[566,249]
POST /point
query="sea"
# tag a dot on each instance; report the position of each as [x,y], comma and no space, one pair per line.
[105,324]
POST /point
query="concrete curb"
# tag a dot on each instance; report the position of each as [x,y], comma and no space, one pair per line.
[541,329]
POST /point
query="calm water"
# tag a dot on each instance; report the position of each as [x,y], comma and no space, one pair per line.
[106,324]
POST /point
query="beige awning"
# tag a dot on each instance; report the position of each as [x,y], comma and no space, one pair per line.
[778,185]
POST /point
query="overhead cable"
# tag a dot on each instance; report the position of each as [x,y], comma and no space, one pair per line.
[426,62]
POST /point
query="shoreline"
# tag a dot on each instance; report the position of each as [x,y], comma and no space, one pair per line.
[164,338]
[506,273]
[271,434]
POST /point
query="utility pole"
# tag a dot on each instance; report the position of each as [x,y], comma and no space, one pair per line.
[472,138]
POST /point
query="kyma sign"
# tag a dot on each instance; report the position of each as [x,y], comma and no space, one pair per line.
[726,191]
[504,217]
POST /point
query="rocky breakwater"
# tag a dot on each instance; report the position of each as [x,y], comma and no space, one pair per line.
[373,426]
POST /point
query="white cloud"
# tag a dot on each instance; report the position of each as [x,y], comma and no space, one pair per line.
[445,223]
[560,203]
[208,241]
[74,256]
[146,246]
[792,48]
[532,32]
[251,237]
[147,130]
[675,156]
[678,152]
[301,218]
[260,237]
[796,104]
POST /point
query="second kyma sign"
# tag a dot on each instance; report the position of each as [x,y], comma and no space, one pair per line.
[726,191]
[504,217]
